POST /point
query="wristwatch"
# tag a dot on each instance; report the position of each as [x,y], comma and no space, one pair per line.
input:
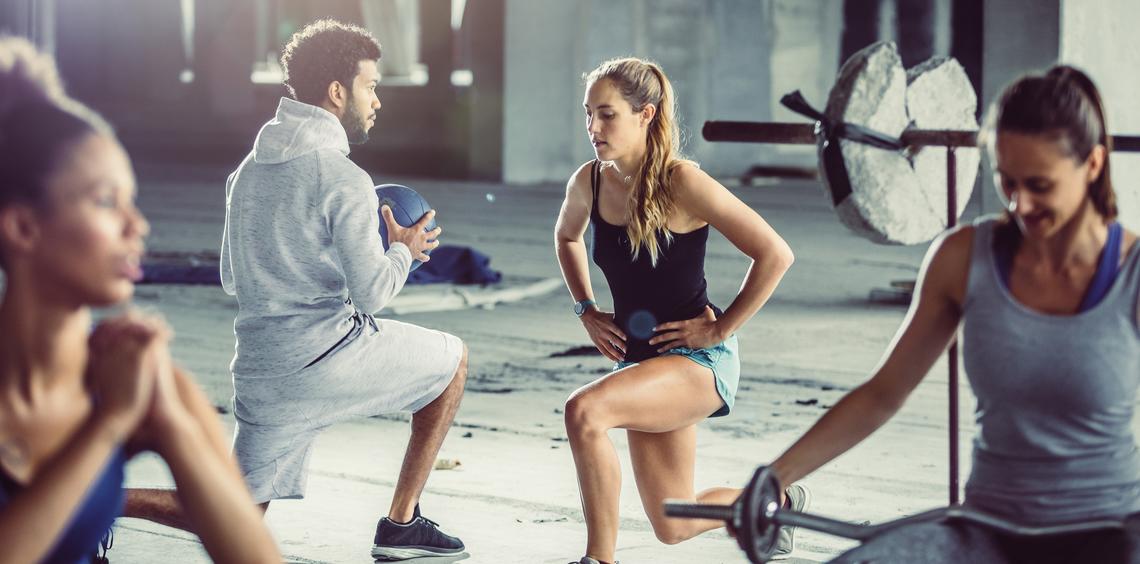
[580,306]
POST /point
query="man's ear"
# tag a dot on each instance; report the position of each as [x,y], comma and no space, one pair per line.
[338,95]
[19,228]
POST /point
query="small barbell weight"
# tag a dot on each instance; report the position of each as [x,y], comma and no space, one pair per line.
[757,517]
[753,515]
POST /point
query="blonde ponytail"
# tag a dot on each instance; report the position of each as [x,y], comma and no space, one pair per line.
[651,201]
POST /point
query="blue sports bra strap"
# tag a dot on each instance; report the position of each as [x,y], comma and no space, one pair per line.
[1106,269]
[1115,240]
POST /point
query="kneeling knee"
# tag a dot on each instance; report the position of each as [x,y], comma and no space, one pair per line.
[461,369]
[668,533]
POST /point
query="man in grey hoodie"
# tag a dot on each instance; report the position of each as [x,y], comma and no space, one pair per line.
[302,252]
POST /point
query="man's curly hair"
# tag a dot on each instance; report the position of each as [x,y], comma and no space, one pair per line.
[322,52]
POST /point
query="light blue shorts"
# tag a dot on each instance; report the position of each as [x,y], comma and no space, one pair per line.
[724,361]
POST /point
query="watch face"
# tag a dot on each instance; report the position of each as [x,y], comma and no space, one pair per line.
[579,308]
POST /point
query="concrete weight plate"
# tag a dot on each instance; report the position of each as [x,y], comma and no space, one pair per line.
[898,197]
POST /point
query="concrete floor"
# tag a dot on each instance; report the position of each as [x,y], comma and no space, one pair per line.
[514,498]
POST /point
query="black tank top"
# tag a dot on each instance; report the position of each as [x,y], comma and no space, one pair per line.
[644,295]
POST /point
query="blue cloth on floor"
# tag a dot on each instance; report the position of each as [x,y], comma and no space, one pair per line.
[456,264]
[449,263]
[169,273]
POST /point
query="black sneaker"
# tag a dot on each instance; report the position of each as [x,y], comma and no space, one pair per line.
[420,537]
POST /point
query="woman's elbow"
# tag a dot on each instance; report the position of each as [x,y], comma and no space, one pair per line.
[785,256]
[564,243]
[776,258]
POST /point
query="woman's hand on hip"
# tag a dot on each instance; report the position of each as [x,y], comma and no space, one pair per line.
[605,333]
[700,332]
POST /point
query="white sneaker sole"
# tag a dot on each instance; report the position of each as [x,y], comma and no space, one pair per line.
[391,553]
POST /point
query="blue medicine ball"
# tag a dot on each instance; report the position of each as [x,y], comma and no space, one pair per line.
[408,207]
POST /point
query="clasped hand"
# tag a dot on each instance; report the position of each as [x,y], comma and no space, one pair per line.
[131,374]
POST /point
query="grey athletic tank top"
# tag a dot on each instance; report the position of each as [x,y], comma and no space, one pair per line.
[1055,398]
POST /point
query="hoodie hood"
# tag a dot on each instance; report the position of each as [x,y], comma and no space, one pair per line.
[296,130]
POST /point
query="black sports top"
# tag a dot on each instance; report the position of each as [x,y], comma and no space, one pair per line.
[644,295]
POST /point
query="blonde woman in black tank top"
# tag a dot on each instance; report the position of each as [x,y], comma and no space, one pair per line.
[651,212]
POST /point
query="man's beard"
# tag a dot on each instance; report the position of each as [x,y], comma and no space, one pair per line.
[355,125]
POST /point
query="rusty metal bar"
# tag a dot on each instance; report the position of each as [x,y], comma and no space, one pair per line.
[940,138]
[804,134]
[756,132]
[952,354]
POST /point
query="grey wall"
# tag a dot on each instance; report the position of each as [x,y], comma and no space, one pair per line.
[539,74]
[1098,37]
[804,56]
[1105,43]
[725,59]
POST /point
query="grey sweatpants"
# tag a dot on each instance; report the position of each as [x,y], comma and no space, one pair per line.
[956,543]
[394,367]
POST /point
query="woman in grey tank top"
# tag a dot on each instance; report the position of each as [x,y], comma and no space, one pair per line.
[1046,295]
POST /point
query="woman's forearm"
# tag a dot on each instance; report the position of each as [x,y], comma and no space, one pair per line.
[215,501]
[853,418]
[196,403]
[759,285]
[575,268]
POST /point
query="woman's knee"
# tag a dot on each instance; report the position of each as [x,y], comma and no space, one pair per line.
[583,414]
[669,531]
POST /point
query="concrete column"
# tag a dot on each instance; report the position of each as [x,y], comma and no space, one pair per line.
[226,66]
[486,112]
[437,42]
[916,30]
[860,25]
[966,29]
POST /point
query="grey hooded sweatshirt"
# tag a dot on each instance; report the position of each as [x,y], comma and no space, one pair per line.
[301,248]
